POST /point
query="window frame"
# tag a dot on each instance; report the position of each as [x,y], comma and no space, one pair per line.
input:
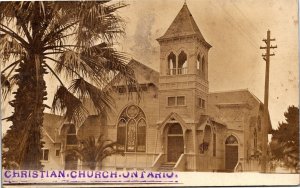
[57,150]
[124,116]
[43,154]
[183,101]
[71,134]
[176,101]
[201,103]
[168,104]
[214,144]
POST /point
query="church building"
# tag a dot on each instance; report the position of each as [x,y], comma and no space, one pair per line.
[177,125]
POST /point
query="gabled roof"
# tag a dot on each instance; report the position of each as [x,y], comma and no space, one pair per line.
[143,73]
[235,98]
[183,25]
[51,125]
[134,63]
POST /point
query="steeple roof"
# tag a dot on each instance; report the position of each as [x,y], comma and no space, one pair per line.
[183,25]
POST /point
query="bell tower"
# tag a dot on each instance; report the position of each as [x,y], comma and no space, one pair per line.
[183,81]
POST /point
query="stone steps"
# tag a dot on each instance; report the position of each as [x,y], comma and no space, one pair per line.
[165,167]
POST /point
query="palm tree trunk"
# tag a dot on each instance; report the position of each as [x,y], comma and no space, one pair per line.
[24,137]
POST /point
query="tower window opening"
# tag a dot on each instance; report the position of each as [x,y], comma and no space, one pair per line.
[171,64]
[198,62]
[203,67]
[182,63]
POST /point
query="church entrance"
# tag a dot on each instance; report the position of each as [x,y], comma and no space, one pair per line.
[175,142]
[231,153]
[71,162]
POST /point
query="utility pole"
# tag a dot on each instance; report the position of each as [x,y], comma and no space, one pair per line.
[265,127]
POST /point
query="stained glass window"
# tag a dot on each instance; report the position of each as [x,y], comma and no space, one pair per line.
[131,130]
[121,134]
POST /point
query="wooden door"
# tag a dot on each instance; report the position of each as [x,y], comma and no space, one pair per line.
[175,148]
[71,162]
[231,156]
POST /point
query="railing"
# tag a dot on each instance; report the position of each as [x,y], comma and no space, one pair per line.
[177,71]
[238,167]
[181,163]
[182,71]
[158,161]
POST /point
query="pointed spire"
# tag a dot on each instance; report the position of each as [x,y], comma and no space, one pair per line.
[183,25]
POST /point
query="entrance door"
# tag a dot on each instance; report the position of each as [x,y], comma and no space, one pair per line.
[175,142]
[71,162]
[231,153]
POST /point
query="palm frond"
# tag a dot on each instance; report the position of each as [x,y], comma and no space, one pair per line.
[71,107]
[8,81]
[102,101]
[5,86]
[9,47]
[109,26]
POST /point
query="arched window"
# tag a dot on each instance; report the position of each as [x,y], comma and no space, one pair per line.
[71,135]
[182,63]
[172,64]
[131,130]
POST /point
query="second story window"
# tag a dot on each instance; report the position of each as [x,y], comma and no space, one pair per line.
[171,101]
[176,101]
[180,100]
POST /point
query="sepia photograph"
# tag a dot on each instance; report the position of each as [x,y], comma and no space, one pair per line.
[149,93]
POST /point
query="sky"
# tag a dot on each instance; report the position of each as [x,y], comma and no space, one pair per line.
[235,30]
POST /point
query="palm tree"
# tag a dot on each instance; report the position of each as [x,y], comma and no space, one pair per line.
[70,39]
[92,152]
